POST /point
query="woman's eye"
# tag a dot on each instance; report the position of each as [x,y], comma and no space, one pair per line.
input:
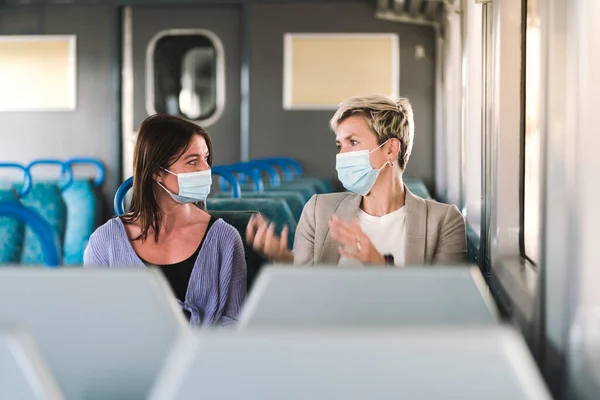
[353,142]
[193,162]
[339,148]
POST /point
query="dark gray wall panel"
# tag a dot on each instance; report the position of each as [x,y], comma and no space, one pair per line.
[225,23]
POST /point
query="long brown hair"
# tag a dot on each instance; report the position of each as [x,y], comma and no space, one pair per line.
[162,139]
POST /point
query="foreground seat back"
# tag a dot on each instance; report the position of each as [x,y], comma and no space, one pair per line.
[297,297]
[24,374]
[491,363]
[104,333]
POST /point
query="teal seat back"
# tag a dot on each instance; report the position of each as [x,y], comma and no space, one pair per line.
[239,220]
[12,232]
[12,229]
[293,199]
[275,210]
[45,198]
[83,207]
[418,189]
[322,185]
[307,190]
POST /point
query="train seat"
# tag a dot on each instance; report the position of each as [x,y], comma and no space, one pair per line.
[104,333]
[321,184]
[293,199]
[25,374]
[342,297]
[469,363]
[418,189]
[84,211]
[239,220]
[275,210]
[45,198]
[306,190]
[12,231]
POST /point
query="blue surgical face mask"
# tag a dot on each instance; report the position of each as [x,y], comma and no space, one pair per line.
[193,186]
[355,171]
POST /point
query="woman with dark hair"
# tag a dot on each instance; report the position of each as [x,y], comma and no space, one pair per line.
[167,227]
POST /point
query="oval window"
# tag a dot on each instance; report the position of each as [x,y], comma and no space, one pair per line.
[186,75]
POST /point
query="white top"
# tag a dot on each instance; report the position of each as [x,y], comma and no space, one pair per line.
[387,233]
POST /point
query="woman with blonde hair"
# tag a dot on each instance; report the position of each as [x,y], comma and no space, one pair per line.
[379,221]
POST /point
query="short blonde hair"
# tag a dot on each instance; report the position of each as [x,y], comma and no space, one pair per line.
[386,117]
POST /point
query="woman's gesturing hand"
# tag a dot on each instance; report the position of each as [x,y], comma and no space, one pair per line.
[354,243]
[260,234]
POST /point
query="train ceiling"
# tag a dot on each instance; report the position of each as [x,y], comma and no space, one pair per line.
[422,12]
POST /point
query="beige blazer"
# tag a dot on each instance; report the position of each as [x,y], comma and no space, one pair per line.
[435,232]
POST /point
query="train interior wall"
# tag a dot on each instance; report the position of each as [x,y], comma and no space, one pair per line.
[94,129]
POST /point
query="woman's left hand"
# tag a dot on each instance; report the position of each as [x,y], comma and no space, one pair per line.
[353,241]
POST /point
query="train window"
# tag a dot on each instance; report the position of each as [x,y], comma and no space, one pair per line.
[532,163]
[185,75]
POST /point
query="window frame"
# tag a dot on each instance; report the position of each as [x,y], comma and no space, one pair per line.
[472,124]
[523,144]
[220,68]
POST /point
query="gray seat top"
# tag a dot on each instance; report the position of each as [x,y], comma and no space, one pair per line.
[334,296]
[24,374]
[478,362]
[104,332]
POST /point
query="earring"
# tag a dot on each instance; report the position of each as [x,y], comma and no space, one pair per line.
[390,163]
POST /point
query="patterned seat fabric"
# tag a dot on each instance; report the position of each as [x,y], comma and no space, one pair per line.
[84,211]
[12,231]
[45,199]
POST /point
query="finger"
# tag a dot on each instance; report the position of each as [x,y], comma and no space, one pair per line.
[284,239]
[251,229]
[342,226]
[262,220]
[270,239]
[341,234]
[348,253]
[259,239]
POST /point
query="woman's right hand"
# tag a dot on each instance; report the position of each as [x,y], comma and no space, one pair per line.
[260,234]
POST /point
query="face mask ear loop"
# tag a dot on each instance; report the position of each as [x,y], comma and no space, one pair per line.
[164,188]
[378,147]
[166,170]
